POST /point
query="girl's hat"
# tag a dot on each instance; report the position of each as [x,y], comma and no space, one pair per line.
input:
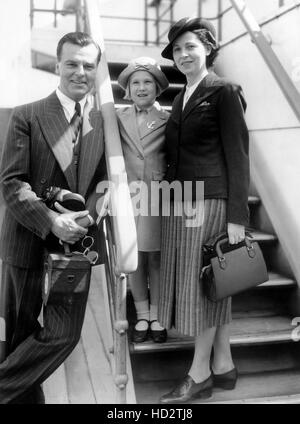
[144,64]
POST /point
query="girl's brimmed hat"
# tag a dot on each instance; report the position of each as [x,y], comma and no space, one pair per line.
[184,25]
[144,64]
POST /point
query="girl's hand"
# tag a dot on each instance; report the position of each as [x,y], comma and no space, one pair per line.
[236,233]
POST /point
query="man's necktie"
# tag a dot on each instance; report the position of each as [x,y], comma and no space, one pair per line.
[76,122]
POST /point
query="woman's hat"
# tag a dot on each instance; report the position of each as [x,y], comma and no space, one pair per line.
[184,25]
[144,64]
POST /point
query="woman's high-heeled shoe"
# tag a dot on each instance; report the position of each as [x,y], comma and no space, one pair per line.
[227,380]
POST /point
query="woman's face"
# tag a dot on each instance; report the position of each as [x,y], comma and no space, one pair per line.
[142,89]
[189,54]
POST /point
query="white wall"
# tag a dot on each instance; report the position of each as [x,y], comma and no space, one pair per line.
[19,84]
[14,43]
[274,128]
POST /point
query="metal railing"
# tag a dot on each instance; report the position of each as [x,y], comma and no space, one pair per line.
[280,74]
[120,226]
[164,17]
[77,11]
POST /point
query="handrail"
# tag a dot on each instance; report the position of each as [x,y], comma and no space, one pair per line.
[56,11]
[262,23]
[123,247]
[282,78]
[123,220]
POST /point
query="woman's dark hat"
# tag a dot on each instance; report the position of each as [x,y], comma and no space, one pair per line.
[184,25]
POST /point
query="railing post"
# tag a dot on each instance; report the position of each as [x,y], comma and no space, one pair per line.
[121,327]
[55,13]
[220,17]
[281,76]
[172,12]
[31,12]
[79,13]
[146,23]
[199,8]
[157,23]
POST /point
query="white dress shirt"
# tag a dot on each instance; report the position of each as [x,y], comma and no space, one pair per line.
[69,104]
[190,89]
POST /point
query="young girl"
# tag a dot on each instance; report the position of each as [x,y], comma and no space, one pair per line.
[142,128]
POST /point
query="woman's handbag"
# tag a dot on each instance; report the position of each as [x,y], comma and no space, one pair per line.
[231,268]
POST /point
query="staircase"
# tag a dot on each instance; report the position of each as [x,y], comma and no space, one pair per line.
[264,351]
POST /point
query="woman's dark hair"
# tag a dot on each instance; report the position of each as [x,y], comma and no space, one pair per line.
[209,41]
[79,39]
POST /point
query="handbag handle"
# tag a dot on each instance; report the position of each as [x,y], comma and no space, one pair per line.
[221,257]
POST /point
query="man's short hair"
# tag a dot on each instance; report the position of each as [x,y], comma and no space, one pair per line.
[79,39]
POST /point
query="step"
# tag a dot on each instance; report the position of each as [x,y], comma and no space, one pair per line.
[245,330]
[288,399]
[265,387]
[271,387]
[253,200]
[248,360]
[278,281]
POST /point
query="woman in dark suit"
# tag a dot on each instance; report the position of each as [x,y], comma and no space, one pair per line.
[206,140]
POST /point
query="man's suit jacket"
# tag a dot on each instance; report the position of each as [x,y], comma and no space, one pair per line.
[144,155]
[208,141]
[37,154]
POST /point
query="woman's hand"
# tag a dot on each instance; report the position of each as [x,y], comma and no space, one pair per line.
[236,233]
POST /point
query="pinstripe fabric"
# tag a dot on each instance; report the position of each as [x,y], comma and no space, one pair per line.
[38,153]
[35,352]
[182,303]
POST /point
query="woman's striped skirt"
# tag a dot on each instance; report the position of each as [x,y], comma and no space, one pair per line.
[182,303]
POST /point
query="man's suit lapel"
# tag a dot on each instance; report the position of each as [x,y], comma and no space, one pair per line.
[92,147]
[58,135]
[205,89]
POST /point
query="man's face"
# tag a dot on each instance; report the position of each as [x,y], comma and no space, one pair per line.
[77,69]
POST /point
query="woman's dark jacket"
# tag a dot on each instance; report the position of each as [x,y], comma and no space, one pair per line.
[208,141]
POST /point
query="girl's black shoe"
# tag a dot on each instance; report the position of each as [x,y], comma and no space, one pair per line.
[158,336]
[140,336]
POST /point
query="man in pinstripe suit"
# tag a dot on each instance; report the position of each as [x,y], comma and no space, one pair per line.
[39,153]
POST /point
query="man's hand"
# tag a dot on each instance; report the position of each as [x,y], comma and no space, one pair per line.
[66,226]
[85,221]
[236,233]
